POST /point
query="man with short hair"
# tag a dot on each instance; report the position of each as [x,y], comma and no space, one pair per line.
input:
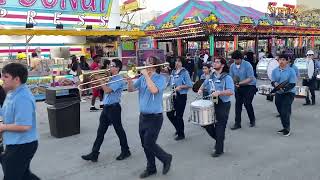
[151,86]
[19,124]
[284,74]
[111,114]
[245,82]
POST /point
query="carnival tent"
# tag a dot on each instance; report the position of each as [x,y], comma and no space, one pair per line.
[196,18]
[196,11]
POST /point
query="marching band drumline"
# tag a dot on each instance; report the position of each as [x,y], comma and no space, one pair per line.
[211,115]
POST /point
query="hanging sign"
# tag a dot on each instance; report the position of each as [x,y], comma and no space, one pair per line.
[49,13]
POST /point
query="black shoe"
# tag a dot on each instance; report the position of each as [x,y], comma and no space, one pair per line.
[216,154]
[252,124]
[93,109]
[306,104]
[281,131]
[147,173]
[286,133]
[123,155]
[101,106]
[167,165]
[179,138]
[235,127]
[93,156]
[278,116]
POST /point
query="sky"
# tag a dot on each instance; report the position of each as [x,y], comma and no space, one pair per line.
[310,3]
[261,5]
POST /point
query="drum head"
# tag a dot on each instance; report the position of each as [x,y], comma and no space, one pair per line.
[263,64]
[273,64]
[202,103]
[310,68]
[197,85]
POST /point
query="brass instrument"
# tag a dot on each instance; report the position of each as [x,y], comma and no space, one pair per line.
[131,73]
[91,74]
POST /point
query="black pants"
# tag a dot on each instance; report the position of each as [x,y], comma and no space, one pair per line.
[176,116]
[217,130]
[283,104]
[149,129]
[16,161]
[111,114]
[244,95]
[312,87]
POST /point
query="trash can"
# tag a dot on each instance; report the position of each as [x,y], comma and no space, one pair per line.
[63,111]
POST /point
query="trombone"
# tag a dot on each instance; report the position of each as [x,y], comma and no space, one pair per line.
[93,73]
[131,73]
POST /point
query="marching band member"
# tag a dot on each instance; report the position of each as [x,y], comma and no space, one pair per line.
[151,86]
[19,128]
[180,82]
[245,88]
[311,83]
[206,75]
[111,114]
[284,96]
[222,88]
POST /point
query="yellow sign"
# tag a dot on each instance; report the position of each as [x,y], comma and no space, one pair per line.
[129,7]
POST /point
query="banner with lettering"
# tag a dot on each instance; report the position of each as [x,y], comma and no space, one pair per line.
[49,13]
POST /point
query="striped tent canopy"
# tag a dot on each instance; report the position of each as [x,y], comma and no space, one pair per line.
[195,11]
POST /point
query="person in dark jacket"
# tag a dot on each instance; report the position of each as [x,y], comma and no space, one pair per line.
[83,64]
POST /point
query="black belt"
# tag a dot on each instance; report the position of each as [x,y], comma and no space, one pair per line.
[112,105]
[152,114]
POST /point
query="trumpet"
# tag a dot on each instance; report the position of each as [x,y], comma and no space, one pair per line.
[131,73]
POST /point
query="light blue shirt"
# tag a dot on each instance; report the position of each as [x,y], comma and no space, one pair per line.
[244,72]
[206,86]
[150,103]
[19,108]
[281,75]
[217,84]
[181,78]
[296,70]
[117,88]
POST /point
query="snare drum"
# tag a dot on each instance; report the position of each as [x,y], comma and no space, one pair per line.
[305,67]
[262,67]
[302,91]
[202,112]
[265,67]
[273,64]
[167,102]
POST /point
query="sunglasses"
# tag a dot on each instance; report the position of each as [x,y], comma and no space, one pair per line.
[309,54]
